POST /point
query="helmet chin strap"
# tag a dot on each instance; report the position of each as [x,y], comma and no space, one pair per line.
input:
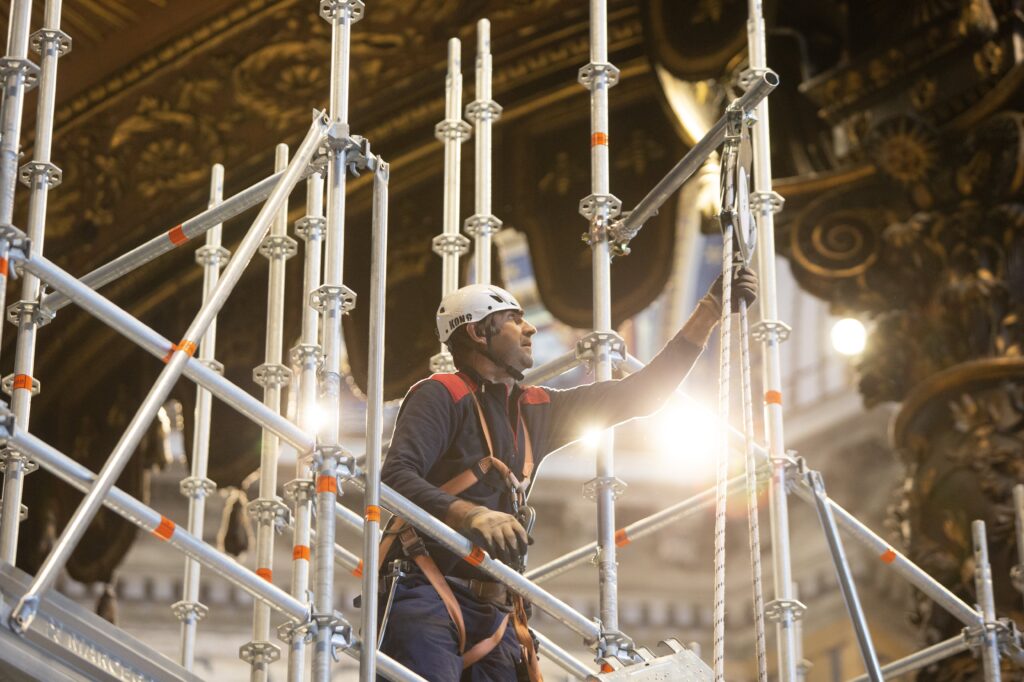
[489,354]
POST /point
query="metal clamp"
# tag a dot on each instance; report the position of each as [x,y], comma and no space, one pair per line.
[617,647]
[321,298]
[51,174]
[304,353]
[480,225]
[607,206]
[342,639]
[589,74]
[769,330]
[212,255]
[299,491]
[259,652]
[587,347]
[447,244]
[592,487]
[343,460]
[44,37]
[358,156]
[8,385]
[452,129]
[329,9]
[21,310]
[761,201]
[197,487]
[310,227]
[29,71]
[191,611]
[442,363]
[266,511]
[16,240]
[272,375]
[776,610]
[483,110]
[281,247]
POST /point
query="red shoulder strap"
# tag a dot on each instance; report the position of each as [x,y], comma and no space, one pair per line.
[458,387]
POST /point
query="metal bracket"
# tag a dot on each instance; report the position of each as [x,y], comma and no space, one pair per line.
[50,173]
[197,487]
[341,639]
[281,247]
[359,157]
[775,611]
[8,385]
[321,298]
[442,363]
[39,316]
[259,652]
[589,74]
[189,610]
[272,375]
[587,347]
[769,330]
[306,353]
[16,241]
[594,485]
[480,225]
[483,110]
[329,9]
[607,206]
[10,67]
[267,511]
[452,129]
[212,255]
[447,244]
[44,37]
[310,227]
[299,491]
[616,646]
[773,201]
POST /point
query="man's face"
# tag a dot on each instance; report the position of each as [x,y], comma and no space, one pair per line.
[513,344]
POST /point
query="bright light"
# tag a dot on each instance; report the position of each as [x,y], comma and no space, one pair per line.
[849,336]
[316,419]
[689,439]
[592,437]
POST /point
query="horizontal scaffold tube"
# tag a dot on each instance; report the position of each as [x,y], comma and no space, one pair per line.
[155,344]
[923,658]
[562,658]
[552,368]
[173,238]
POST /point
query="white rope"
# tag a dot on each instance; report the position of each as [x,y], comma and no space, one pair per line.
[751,476]
[722,463]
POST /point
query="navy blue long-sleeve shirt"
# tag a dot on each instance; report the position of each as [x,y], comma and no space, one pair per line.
[438,435]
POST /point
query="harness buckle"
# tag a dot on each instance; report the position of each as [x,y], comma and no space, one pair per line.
[412,543]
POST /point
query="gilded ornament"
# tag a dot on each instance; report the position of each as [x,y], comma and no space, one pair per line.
[988,61]
[923,92]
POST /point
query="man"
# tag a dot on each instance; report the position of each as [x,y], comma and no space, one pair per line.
[464,447]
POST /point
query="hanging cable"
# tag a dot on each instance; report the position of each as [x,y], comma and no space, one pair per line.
[722,464]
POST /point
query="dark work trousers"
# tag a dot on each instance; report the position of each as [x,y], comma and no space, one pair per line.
[421,635]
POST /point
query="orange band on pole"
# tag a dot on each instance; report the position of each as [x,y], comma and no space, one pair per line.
[3,267]
[265,573]
[372,512]
[888,556]
[22,381]
[598,139]
[165,530]
[621,538]
[177,235]
[605,668]
[476,557]
[187,346]
[358,570]
[326,484]
[300,552]
[773,398]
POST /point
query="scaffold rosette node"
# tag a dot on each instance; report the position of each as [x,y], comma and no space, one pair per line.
[281,247]
[481,225]
[29,311]
[442,363]
[590,74]
[452,129]
[306,353]
[44,37]
[299,491]
[212,255]
[768,330]
[589,346]
[50,174]
[271,374]
[259,652]
[310,227]
[775,611]
[483,110]
[290,632]
[271,510]
[196,487]
[326,296]
[329,9]
[770,201]
[9,454]
[594,486]
[12,382]
[447,244]
[607,206]
[336,455]
[28,70]
[191,611]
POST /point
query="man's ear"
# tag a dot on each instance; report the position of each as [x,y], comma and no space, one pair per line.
[473,332]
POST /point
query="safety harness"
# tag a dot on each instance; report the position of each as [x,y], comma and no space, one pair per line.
[414,549]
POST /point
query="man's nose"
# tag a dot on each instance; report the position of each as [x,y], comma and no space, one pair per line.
[528,329]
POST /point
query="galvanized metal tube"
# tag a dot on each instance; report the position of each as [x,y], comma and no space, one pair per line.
[562,658]
[189,610]
[24,612]
[923,658]
[552,368]
[374,417]
[484,111]
[986,600]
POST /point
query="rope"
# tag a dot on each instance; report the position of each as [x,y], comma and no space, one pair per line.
[751,476]
[722,463]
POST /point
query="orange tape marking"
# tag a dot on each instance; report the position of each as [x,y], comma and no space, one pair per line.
[621,538]
[358,570]
[265,573]
[165,530]
[598,139]
[372,513]
[177,235]
[300,552]
[326,484]
[888,556]
[773,398]
[23,381]
[476,557]
[3,267]
[605,668]
[185,345]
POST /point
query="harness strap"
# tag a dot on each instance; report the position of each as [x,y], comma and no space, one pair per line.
[433,575]
[529,651]
[485,646]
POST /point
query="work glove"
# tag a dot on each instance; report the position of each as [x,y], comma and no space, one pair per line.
[744,288]
[500,534]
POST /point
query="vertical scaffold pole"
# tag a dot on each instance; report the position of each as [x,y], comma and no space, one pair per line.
[986,602]
[784,609]
[374,422]
[197,487]
[41,176]
[599,208]
[333,299]
[452,131]
[306,355]
[483,112]
[24,612]
[19,75]
[268,511]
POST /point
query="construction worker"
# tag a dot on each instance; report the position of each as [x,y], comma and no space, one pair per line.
[464,448]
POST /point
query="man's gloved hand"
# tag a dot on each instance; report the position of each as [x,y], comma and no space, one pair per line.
[744,287]
[500,534]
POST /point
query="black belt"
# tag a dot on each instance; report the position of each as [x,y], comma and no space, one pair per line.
[484,590]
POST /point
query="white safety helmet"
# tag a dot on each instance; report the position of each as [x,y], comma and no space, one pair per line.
[471,304]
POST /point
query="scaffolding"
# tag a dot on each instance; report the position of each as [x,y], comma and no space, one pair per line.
[310,505]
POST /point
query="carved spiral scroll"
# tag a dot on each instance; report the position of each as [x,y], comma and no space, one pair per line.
[837,244]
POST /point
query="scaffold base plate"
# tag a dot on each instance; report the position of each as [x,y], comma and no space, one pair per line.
[68,643]
[681,666]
